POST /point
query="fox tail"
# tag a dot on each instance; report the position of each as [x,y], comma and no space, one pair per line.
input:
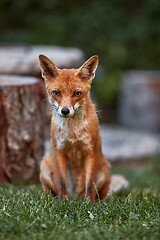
[118,182]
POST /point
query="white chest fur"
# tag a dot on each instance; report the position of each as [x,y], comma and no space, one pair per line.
[70,130]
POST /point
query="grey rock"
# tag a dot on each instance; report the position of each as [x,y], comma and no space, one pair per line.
[125,144]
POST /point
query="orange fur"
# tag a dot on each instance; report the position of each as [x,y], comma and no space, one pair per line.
[76,165]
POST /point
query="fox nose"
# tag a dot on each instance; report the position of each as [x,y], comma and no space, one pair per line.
[65,111]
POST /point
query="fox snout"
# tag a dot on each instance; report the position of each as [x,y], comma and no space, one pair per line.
[65,111]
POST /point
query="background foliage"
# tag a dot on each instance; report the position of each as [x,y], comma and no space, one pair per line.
[125,34]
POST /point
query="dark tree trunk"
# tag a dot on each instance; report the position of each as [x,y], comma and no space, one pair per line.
[22,124]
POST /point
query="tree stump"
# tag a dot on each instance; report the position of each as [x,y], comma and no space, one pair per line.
[139,106]
[21,128]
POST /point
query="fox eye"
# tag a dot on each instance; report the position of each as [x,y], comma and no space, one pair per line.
[56,93]
[77,93]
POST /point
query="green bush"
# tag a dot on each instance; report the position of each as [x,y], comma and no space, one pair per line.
[106,88]
[124,33]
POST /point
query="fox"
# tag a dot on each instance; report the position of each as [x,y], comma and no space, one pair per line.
[76,165]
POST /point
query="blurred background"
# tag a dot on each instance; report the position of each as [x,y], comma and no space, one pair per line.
[124,34]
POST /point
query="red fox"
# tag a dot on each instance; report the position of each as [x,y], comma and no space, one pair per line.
[76,165]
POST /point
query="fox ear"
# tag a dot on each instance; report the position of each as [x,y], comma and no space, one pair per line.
[88,69]
[48,69]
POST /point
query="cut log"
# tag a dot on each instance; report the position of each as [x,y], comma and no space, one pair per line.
[23,60]
[21,128]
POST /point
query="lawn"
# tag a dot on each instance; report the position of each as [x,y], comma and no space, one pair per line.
[26,212]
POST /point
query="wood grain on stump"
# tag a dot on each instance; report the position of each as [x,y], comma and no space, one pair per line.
[21,128]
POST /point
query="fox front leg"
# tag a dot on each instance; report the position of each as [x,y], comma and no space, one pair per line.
[90,192]
[62,189]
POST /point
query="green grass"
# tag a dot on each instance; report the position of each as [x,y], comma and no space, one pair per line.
[26,212]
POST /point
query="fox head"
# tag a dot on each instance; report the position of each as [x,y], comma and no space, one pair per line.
[68,89]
